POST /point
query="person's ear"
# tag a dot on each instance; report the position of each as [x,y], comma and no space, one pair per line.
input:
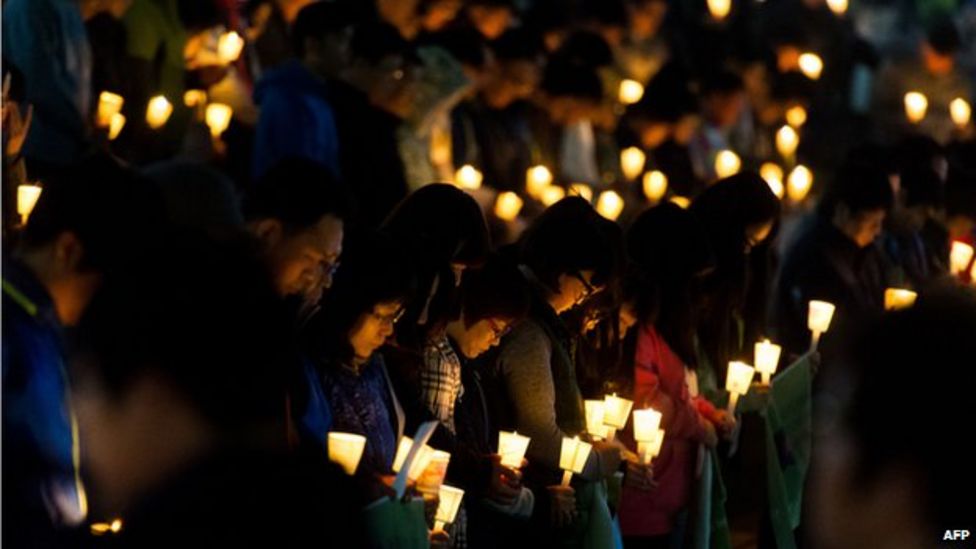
[68,252]
[269,232]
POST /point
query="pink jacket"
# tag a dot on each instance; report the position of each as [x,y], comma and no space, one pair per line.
[659,383]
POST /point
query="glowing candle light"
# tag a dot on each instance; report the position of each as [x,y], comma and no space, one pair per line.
[655,185]
[594,418]
[839,7]
[897,298]
[537,178]
[109,104]
[737,382]
[719,9]
[616,410]
[799,182]
[767,359]
[430,480]
[651,449]
[682,202]
[468,177]
[959,257]
[630,91]
[772,174]
[581,190]
[811,65]
[194,98]
[632,162]
[27,196]
[609,204]
[818,320]
[507,206]
[727,164]
[572,457]
[916,104]
[796,116]
[512,447]
[646,424]
[787,141]
[218,118]
[101,528]
[420,462]
[552,194]
[447,508]
[158,111]
[229,47]
[115,126]
[346,449]
[960,111]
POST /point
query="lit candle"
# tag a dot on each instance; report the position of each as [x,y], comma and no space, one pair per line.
[655,185]
[727,164]
[811,65]
[581,190]
[27,196]
[229,47]
[572,457]
[594,418]
[646,424]
[467,177]
[818,320]
[798,183]
[616,410]
[737,382]
[787,141]
[346,449]
[839,7]
[959,257]
[158,111]
[632,162]
[218,118]
[101,528]
[109,104]
[796,116]
[512,447]
[430,480]
[507,206]
[719,9]
[630,91]
[115,126]
[537,178]
[682,202]
[609,204]
[420,462]
[447,508]
[897,298]
[652,448]
[960,111]
[552,194]
[915,106]
[772,174]
[194,98]
[767,359]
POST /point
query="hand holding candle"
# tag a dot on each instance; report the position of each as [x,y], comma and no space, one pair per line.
[447,509]
[648,450]
[512,447]
[818,320]
[420,462]
[647,430]
[346,449]
[737,382]
[572,457]
[616,410]
[767,359]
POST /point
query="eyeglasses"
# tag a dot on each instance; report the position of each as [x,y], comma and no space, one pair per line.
[390,319]
[499,330]
[588,289]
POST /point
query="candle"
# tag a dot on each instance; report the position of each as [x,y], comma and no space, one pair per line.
[798,183]
[719,9]
[818,320]
[630,91]
[811,65]
[787,141]
[229,47]
[767,359]
[839,7]
[507,206]
[537,178]
[102,528]
[572,457]
[960,111]
[915,106]
[796,116]
[194,98]
[467,177]
[158,111]
[420,461]
[655,185]
[552,194]
[346,449]
[737,381]
[959,257]
[27,196]
[897,298]
[682,202]
[109,104]
[609,204]
[646,424]
[218,118]
[772,174]
[652,448]
[632,162]
[447,508]
[432,477]
[727,164]
[115,126]
[512,447]
[581,190]
[594,418]
[616,410]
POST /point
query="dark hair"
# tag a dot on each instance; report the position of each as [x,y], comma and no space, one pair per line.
[298,192]
[731,205]
[201,313]
[921,186]
[464,44]
[495,290]
[196,195]
[517,44]
[372,42]
[196,15]
[564,78]
[860,186]
[943,36]
[884,360]
[320,19]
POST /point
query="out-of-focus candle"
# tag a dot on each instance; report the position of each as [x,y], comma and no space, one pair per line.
[796,116]
[109,104]
[27,196]
[719,9]
[158,111]
[767,359]
[632,162]
[447,508]
[818,320]
[646,424]
[194,98]
[507,206]
[115,126]
[218,118]
[959,257]
[630,91]
[839,7]
[787,141]
[468,177]
[655,185]
[512,447]
[898,298]
[572,457]
[681,201]
[552,194]
[798,183]
[101,528]
[581,190]
[346,449]
[811,65]
[916,104]
[960,111]
[609,204]
[594,418]
[650,449]
[737,381]
[229,47]
[727,164]
[772,174]
[537,178]
[616,410]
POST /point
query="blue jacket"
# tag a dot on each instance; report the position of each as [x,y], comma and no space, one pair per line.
[296,119]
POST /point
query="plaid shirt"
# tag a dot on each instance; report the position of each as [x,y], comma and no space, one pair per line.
[440,380]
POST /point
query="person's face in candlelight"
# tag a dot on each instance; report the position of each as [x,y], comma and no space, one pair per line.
[757,233]
[861,227]
[303,263]
[372,330]
[574,289]
[484,334]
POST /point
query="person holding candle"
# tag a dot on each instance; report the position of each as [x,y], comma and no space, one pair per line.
[919,200]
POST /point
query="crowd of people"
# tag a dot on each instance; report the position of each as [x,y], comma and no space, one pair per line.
[235,232]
